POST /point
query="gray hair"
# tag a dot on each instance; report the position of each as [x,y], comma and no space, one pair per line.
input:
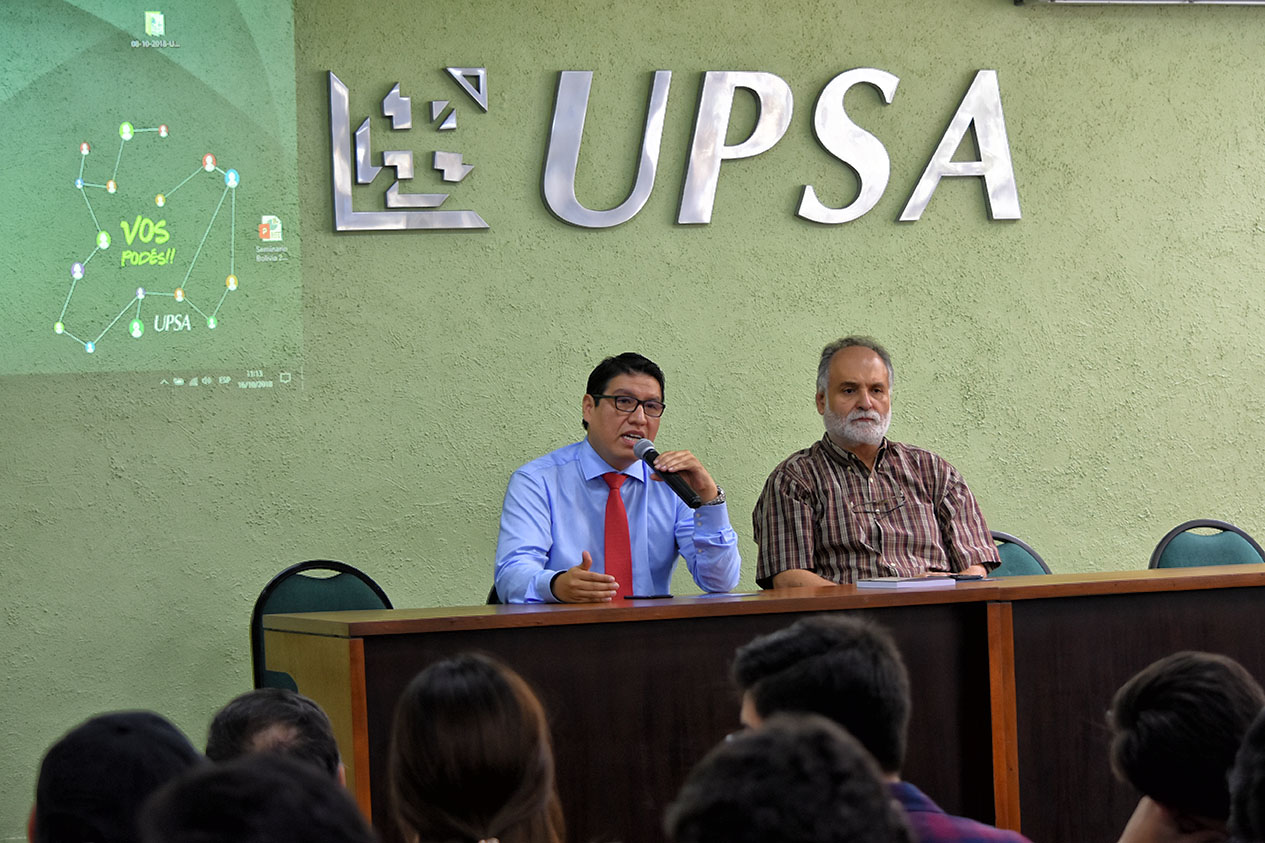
[828,353]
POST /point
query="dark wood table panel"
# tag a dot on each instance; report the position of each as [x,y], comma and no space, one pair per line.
[634,705]
[1020,670]
[1071,656]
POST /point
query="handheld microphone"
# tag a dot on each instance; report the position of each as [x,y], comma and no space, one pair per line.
[644,450]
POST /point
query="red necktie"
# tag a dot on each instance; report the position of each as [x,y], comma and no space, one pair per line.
[618,547]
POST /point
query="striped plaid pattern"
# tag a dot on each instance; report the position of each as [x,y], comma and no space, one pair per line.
[823,510]
[931,824]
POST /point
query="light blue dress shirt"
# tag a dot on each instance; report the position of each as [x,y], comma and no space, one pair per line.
[555,509]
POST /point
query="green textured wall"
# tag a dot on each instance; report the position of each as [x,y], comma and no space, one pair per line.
[1091,369]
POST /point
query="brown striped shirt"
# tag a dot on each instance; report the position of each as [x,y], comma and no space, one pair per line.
[822,510]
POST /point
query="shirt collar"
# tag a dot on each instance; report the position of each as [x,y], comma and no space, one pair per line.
[847,458]
[594,466]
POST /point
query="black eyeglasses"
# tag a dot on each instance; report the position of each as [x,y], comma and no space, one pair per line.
[884,506]
[627,404]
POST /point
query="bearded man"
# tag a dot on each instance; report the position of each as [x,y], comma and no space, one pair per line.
[855,505]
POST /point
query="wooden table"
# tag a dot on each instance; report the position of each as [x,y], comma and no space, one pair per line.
[1011,679]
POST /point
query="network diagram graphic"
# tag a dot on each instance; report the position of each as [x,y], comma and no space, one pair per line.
[151,236]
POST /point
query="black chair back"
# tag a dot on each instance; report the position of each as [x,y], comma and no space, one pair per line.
[1181,548]
[297,590]
[1017,557]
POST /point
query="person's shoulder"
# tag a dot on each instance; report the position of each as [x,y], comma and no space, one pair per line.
[915,452]
[923,458]
[798,462]
[939,827]
[932,825]
[549,464]
[947,828]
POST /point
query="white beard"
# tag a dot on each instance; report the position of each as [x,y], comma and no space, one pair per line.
[852,431]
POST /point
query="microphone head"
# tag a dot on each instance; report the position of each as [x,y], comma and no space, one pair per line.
[643,447]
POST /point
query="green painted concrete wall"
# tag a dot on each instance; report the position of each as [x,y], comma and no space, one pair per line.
[1093,369]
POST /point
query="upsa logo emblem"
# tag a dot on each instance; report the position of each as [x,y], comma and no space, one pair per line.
[979,113]
[402,210]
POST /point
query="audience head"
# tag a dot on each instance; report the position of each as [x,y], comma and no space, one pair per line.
[258,798]
[1176,727]
[796,779]
[274,720]
[839,666]
[471,757]
[93,781]
[1247,786]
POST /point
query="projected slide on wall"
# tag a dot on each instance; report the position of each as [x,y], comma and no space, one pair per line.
[150,211]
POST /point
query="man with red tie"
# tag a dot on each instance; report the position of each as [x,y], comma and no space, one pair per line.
[590,522]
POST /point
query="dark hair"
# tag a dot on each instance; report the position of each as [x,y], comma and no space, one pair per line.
[274,720]
[1247,786]
[828,353]
[471,757]
[258,798]
[1177,725]
[797,779]
[93,781]
[839,666]
[628,363]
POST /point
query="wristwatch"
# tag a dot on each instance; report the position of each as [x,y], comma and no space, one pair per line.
[719,499]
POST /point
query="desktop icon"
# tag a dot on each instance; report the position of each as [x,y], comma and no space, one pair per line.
[269,228]
[154,26]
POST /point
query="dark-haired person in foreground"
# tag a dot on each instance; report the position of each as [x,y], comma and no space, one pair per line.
[471,757]
[1247,786]
[856,505]
[588,522]
[275,720]
[798,779]
[94,780]
[258,798]
[1176,727]
[850,671]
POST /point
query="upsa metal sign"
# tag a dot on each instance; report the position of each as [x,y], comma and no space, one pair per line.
[980,110]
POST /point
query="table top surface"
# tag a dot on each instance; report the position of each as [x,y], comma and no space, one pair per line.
[827,598]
